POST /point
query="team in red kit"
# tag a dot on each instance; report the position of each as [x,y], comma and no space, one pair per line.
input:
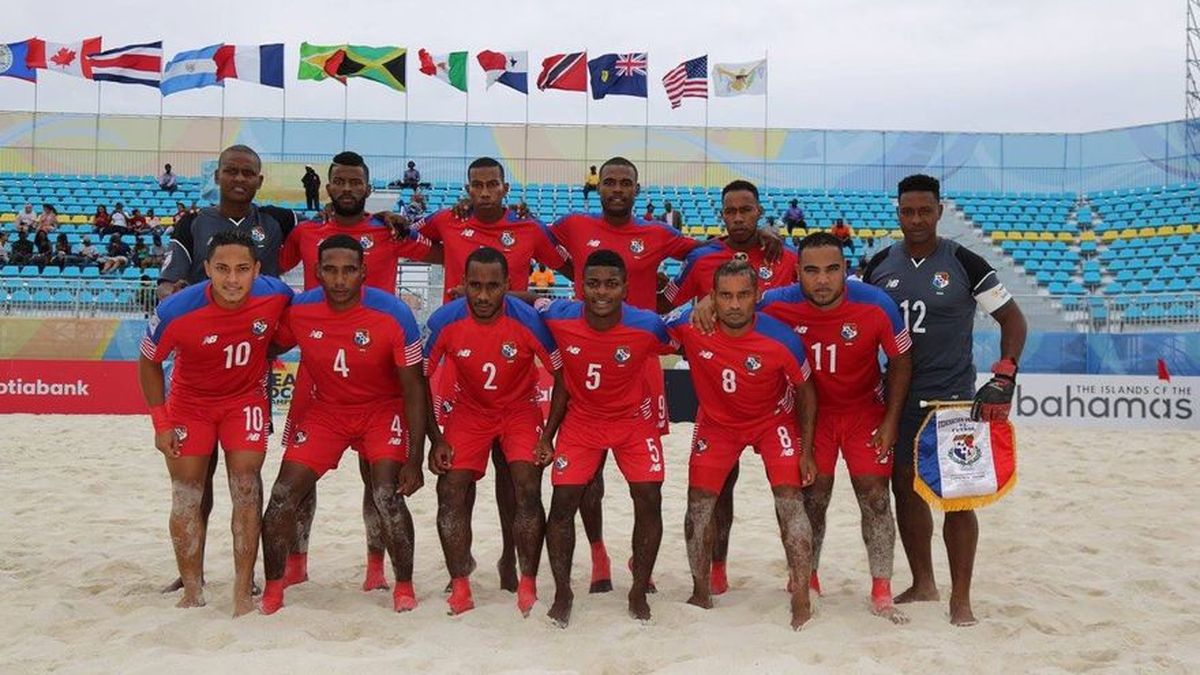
[784,356]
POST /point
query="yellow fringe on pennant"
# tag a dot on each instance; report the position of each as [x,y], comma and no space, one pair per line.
[958,503]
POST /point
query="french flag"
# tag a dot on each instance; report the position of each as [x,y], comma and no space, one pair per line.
[262,64]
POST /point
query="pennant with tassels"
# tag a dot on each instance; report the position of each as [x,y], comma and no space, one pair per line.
[962,464]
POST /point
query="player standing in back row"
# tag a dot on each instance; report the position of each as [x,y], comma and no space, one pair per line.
[938,285]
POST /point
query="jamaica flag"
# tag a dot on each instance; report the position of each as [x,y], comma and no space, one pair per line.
[384,65]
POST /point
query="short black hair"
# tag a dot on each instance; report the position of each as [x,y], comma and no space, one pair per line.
[486,255]
[919,182]
[619,161]
[485,163]
[348,158]
[819,239]
[238,147]
[340,241]
[737,185]
[605,258]
[735,268]
[231,237]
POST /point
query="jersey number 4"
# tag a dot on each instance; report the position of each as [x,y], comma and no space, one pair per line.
[339,363]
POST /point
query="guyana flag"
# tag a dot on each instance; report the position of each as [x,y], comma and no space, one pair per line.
[384,65]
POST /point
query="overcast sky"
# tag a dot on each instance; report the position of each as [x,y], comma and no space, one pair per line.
[961,65]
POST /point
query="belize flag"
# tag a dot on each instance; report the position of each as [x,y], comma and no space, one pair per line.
[961,464]
[12,61]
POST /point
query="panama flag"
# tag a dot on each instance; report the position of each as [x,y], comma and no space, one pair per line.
[261,64]
[68,58]
[508,68]
[962,464]
[190,70]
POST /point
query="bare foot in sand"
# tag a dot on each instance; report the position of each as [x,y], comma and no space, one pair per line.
[638,607]
[560,611]
[190,600]
[507,567]
[918,594]
[884,607]
[961,614]
[801,610]
[242,606]
[701,600]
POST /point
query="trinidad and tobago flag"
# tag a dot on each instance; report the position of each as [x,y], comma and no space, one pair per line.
[564,71]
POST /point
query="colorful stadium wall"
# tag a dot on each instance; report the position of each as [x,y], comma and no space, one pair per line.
[1153,154]
[1103,380]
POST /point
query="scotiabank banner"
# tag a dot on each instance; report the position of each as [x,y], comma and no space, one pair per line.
[1107,401]
[100,387]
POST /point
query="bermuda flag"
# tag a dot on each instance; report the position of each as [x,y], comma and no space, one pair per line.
[508,68]
[68,58]
[262,64]
[191,70]
[564,71]
[961,464]
[131,64]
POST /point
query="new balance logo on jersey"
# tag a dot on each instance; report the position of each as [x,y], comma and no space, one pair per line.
[253,437]
[468,233]
[789,451]
[849,331]
[209,340]
[593,243]
[507,239]
[396,440]
[259,327]
[705,354]
[622,354]
[941,279]
[892,283]
[637,246]
[362,337]
[463,353]
[317,334]
[366,241]
[573,350]
[509,350]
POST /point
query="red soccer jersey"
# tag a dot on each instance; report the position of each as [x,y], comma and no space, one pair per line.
[696,278]
[521,240]
[844,341]
[381,251]
[605,370]
[220,354]
[642,245]
[739,379]
[352,356]
[494,366]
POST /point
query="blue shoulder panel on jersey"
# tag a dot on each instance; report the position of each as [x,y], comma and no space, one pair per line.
[563,309]
[449,313]
[528,317]
[694,257]
[265,285]
[644,319]
[779,332]
[790,294]
[188,300]
[382,301]
[857,291]
[310,296]
[679,317]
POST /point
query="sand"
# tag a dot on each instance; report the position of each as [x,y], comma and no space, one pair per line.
[1091,564]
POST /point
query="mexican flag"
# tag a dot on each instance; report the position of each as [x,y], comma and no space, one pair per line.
[449,68]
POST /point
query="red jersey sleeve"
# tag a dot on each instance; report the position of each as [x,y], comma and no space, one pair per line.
[547,250]
[676,244]
[416,246]
[289,253]
[285,338]
[431,227]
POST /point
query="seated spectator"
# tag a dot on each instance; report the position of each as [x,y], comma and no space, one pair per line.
[166,180]
[415,209]
[22,250]
[62,251]
[794,216]
[842,231]
[195,208]
[153,224]
[412,177]
[590,182]
[26,219]
[87,252]
[181,210]
[541,278]
[137,257]
[120,220]
[649,214]
[4,249]
[672,217]
[101,221]
[48,221]
[137,222]
[155,253]
[115,257]
[43,250]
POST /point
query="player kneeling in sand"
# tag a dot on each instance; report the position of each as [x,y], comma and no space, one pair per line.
[752,379]
[491,339]
[220,331]
[362,348]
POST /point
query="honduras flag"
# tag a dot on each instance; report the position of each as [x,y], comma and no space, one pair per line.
[191,70]
[12,61]
[961,464]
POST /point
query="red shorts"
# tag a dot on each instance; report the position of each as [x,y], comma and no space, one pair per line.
[240,424]
[849,431]
[302,398]
[656,395]
[716,450]
[582,443]
[471,433]
[377,430]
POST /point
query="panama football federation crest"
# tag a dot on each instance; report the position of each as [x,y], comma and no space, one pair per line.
[622,354]
[507,239]
[700,446]
[259,327]
[849,331]
[637,246]
[300,437]
[366,241]
[964,451]
[509,350]
[741,256]
[941,280]
[181,433]
[753,362]
[258,234]
[765,273]
[560,463]
[362,337]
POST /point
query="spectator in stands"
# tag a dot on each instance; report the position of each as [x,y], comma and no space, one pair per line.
[412,177]
[312,189]
[120,220]
[415,209]
[87,253]
[137,222]
[591,182]
[166,180]
[101,221]
[541,278]
[22,249]
[116,257]
[43,250]
[62,251]
[672,217]
[842,231]
[181,210]
[649,214]
[155,252]
[195,208]
[4,249]
[153,224]
[48,221]
[26,219]
[794,216]
[137,257]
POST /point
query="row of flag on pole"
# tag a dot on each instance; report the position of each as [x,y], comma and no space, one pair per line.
[605,75]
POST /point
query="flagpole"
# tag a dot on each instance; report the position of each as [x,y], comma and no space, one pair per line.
[586,108]
[525,178]
[345,110]
[158,158]
[33,133]
[766,111]
[466,122]
[647,129]
[221,138]
[282,126]
[96,148]
[706,98]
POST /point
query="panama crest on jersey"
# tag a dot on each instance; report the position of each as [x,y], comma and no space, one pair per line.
[849,331]
[259,327]
[362,337]
[509,350]
[366,241]
[941,279]
[507,239]
[765,273]
[622,354]
[258,234]
[753,362]
[637,246]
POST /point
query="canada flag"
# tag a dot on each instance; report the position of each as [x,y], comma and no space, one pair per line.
[68,58]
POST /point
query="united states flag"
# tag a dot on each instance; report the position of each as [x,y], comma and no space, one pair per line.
[687,80]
